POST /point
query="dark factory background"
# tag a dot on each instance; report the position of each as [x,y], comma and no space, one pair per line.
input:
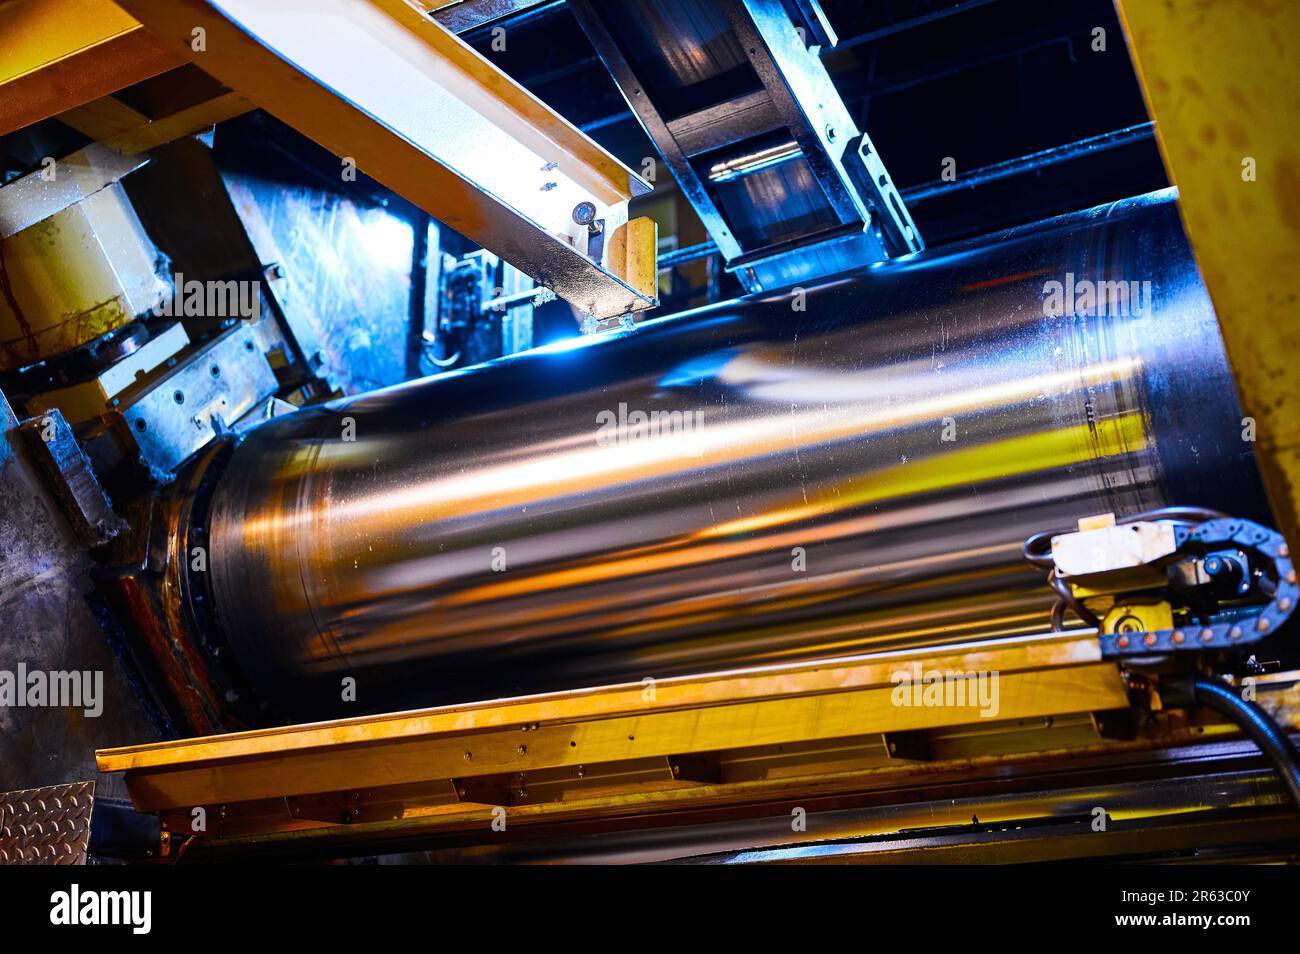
[1035,104]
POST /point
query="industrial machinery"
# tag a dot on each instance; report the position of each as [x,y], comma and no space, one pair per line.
[378,480]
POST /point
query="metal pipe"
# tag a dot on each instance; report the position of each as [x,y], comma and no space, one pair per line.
[1033,162]
[994,172]
[788,476]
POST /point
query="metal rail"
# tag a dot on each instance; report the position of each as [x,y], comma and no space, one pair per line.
[704,750]
[646,742]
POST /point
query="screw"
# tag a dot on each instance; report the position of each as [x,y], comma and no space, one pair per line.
[584,213]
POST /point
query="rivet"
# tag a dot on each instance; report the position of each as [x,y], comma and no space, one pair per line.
[1284,603]
[1178,636]
[1261,624]
[1149,639]
[1234,633]
[1122,642]
[1207,634]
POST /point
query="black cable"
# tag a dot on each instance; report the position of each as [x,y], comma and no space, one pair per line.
[1066,595]
[1038,549]
[1256,723]
[1185,514]
[1058,615]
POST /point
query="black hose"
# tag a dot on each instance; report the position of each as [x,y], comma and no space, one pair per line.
[1066,595]
[1256,723]
[1184,514]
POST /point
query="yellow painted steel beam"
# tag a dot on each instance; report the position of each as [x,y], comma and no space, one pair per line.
[671,718]
[1221,82]
[59,54]
[382,85]
[182,102]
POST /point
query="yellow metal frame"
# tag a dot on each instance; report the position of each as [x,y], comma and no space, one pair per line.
[182,102]
[60,54]
[638,747]
[691,748]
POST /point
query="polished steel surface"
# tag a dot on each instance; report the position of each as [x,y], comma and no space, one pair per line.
[763,480]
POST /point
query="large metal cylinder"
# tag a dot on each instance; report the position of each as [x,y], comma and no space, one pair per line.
[786,476]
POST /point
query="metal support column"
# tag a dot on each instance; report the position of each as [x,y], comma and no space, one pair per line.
[1220,82]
